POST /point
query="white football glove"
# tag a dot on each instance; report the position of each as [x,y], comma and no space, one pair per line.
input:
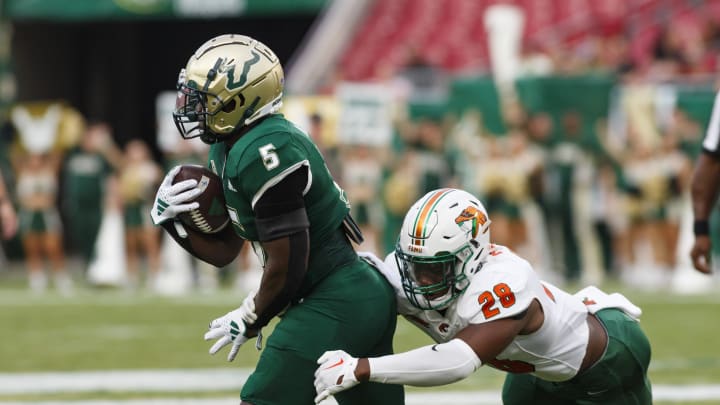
[336,373]
[232,327]
[249,315]
[170,197]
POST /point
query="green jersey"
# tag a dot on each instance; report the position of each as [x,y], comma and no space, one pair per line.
[85,174]
[262,158]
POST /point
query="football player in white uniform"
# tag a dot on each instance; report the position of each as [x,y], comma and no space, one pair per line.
[705,190]
[483,304]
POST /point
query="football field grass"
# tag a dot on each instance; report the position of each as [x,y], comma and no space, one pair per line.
[116,330]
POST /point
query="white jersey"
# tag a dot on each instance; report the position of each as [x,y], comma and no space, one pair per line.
[505,286]
[711,142]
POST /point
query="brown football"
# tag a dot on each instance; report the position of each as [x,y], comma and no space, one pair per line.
[211,216]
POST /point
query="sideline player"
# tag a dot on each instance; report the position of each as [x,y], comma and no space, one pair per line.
[704,191]
[281,197]
[483,304]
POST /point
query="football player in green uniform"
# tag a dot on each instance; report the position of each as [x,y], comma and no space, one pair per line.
[280,197]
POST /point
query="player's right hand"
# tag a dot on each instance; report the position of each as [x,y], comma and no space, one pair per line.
[233,327]
[335,373]
[700,254]
[171,199]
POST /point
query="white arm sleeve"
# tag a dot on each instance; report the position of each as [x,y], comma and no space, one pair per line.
[427,366]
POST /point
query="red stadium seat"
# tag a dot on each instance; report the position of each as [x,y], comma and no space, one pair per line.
[451,33]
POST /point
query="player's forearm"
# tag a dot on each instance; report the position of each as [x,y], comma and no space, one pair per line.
[705,186]
[427,366]
[224,245]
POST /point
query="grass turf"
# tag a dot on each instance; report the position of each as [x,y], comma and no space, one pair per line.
[106,329]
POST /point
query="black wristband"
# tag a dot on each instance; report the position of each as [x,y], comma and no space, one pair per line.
[701,227]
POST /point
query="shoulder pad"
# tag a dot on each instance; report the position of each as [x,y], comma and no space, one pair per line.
[388,269]
[263,162]
[501,289]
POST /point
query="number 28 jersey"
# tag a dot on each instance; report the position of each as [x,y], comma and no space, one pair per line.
[504,287]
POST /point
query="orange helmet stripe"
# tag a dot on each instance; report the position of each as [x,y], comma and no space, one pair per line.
[419,227]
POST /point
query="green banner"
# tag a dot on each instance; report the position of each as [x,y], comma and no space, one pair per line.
[78,10]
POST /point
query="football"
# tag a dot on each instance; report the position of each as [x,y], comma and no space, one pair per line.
[211,216]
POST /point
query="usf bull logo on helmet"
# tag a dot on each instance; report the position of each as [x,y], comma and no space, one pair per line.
[228,83]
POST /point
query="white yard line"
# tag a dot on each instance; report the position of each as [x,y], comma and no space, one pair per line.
[184,380]
[454,398]
[200,380]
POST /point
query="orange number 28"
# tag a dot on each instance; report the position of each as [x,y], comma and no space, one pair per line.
[487,299]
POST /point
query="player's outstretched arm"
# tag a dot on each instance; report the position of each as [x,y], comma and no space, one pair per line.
[432,365]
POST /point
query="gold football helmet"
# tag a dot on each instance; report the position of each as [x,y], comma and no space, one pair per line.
[229,82]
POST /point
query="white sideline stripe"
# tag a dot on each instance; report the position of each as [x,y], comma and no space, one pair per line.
[201,380]
[123,381]
[455,398]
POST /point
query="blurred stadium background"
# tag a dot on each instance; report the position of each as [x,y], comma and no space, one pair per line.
[577,121]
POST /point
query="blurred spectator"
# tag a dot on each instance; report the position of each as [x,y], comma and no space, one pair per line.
[86,171]
[436,169]
[504,178]
[648,187]
[8,216]
[426,82]
[566,158]
[667,53]
[491,183]
[362,175]
[138,179]
[676,168]
[330,153]
[40,224]
[606,217]
[400,189]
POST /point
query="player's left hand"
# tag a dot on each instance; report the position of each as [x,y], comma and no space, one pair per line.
[336,373]
[172,199]
[232,327]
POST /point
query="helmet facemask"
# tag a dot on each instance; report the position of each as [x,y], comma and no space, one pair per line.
[433,282]
[191,112]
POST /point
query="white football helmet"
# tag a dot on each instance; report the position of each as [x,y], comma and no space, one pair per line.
[228,83]
[444,239]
